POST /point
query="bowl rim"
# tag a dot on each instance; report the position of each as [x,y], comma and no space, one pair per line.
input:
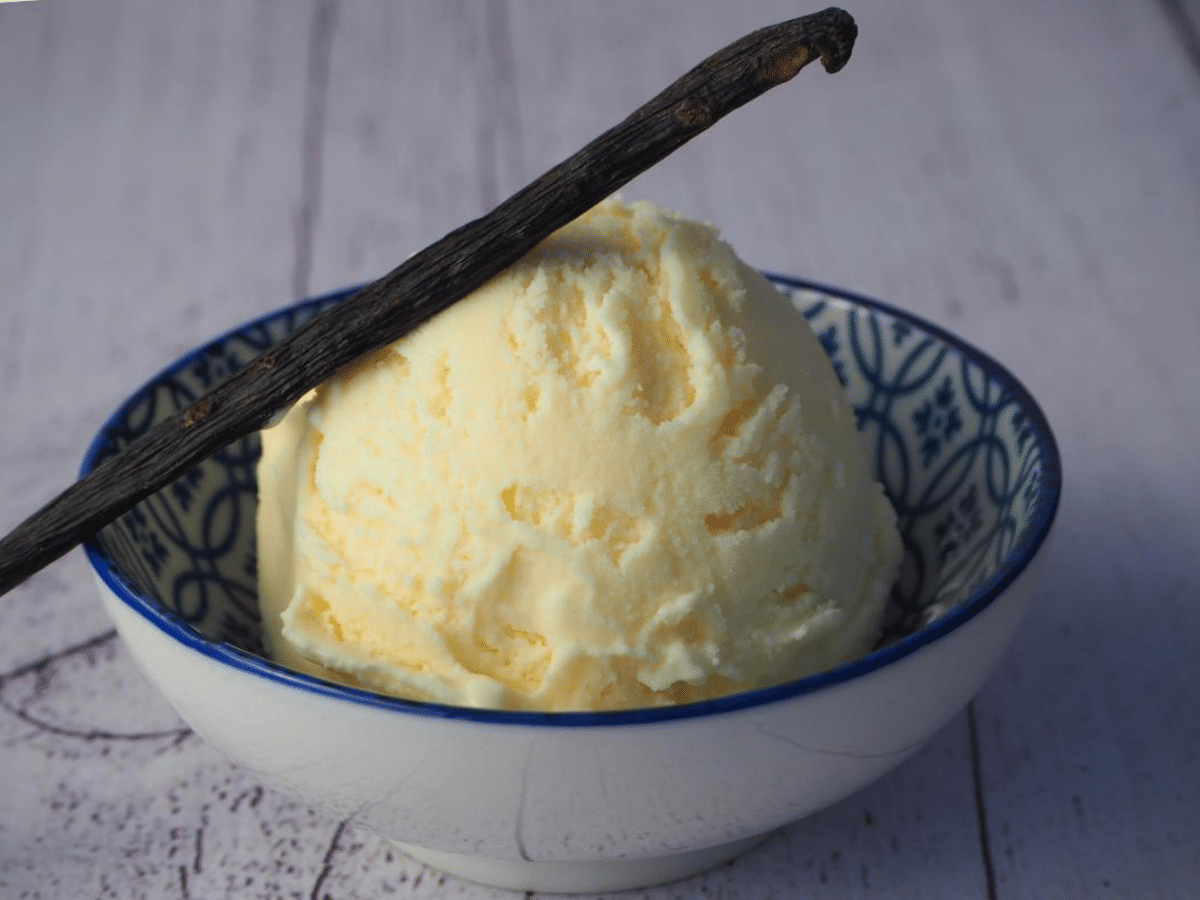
[1017,560]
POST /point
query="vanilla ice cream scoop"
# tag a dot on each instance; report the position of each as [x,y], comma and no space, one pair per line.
[623,473]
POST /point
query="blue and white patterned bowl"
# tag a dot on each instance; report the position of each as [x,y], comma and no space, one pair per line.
[602,801]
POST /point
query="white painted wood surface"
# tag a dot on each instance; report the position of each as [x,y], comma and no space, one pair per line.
[1026,174]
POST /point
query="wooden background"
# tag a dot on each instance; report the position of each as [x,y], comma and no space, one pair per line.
[1024,173]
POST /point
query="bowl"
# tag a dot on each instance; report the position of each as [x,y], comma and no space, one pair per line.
[574,802]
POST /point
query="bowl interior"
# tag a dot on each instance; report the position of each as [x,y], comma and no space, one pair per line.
[962,450]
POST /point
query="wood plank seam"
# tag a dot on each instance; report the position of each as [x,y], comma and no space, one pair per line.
[320,55]
[985,843]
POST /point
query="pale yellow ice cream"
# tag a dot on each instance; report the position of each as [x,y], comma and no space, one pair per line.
[621,474]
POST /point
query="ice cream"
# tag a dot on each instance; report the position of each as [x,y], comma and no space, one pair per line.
[621,474]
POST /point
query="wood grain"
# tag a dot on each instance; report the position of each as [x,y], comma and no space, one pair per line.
[146,194]
[1025,174]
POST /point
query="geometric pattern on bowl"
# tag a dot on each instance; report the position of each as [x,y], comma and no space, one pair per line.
[190,546]
[952,442]
[962,450]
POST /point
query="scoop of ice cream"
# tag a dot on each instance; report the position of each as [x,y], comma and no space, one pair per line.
[621,474]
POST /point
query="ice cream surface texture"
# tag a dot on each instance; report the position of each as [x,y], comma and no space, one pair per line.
[621,474]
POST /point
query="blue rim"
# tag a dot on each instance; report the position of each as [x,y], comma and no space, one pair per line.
[1018,559]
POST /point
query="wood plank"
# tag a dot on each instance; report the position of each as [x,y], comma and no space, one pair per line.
[1088,733]
[148,176]
[409,133]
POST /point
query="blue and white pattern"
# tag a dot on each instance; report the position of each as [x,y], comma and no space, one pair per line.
[952,439]
[191,546]
[962,450]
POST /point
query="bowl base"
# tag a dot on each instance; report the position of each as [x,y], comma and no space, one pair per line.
[580,876]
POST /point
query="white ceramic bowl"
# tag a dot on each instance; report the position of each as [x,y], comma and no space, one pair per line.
[605,801]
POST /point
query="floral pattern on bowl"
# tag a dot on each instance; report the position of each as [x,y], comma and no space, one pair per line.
[962,450]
